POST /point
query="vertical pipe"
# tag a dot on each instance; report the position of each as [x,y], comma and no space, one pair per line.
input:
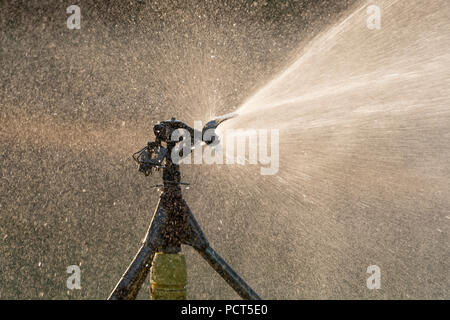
[168,277]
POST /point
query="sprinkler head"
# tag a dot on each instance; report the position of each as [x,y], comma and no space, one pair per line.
[213,124]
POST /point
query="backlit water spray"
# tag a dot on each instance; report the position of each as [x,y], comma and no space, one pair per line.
[364,120]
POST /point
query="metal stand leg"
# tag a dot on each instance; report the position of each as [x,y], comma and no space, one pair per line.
[228,274]
[197,240]
[129,285]
[174,224]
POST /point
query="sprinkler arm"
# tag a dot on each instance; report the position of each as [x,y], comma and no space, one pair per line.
[213,124]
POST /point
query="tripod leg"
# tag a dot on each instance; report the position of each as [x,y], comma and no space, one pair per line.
[131,282]
[227,273]
[128,286]
[197,240]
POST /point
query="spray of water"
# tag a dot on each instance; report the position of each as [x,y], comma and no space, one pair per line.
[364,175]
